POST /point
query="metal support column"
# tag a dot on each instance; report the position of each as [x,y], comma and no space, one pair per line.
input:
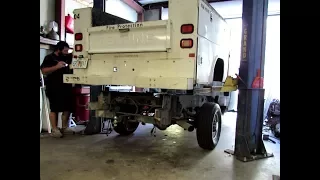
[100,4]
[60,18]
[94,125]
[249,145]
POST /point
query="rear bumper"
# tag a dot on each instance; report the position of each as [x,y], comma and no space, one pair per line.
[143,82]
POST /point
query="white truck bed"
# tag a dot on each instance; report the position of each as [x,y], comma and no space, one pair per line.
[149,54]
[152,36]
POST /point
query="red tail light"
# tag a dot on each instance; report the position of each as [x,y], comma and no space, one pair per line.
[78,47]
[78,36]
[186,43]
[187,29]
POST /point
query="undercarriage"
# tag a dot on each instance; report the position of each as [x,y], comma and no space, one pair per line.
[126,110]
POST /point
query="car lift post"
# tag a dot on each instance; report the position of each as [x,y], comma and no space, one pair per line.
[95,90]
[94,125]
[100,4]
[249,145]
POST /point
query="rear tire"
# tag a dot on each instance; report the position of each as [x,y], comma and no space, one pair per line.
[209,125]
[276,130]
[224,109]
[125,128]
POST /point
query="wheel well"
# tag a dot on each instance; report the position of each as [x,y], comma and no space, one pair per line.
[218,70]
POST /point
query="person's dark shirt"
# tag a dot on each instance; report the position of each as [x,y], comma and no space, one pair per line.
[54,80]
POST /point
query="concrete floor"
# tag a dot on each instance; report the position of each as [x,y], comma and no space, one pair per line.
[171,155]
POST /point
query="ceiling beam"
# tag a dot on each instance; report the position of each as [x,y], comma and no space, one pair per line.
[165,4]
[134,5]
[213,1]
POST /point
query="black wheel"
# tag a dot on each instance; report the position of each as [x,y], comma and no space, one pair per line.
[209,125]
[224,109]
[126,127]
[276,130]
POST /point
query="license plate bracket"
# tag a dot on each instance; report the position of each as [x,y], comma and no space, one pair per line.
[79,63]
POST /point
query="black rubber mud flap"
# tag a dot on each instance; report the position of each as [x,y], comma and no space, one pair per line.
[94,124]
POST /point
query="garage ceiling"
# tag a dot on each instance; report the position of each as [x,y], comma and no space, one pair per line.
[145,2]
[226,8]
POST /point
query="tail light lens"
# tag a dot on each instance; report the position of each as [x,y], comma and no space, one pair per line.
[187,29]
[186,43]
[78,47]
[78,36]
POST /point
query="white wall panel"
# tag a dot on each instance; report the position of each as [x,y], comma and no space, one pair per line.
[233,9]
[47,11]
[121,9]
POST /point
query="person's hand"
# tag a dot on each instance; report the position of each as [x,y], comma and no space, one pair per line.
[61,64]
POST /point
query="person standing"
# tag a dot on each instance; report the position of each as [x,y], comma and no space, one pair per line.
[59,94]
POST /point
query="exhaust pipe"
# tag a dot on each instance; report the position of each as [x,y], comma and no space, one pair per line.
[185,125]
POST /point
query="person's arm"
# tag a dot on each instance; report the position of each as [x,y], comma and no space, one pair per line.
[49,65]
[48,70]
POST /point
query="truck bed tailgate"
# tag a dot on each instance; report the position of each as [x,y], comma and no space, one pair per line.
[132,37]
